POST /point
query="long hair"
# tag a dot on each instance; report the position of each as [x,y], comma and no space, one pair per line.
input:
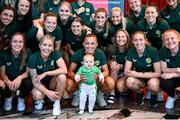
[23,51]
[27,22]
[123,21]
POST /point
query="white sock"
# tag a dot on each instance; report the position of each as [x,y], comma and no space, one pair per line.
[57,102]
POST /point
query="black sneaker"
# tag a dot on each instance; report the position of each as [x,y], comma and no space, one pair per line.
[139,99]
[153,101]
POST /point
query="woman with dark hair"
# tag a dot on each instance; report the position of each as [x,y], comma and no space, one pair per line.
[142,68]
[136,11]
[7,15]
[23,20]
[116,62]
[14,72]
[171,13]
[153,25]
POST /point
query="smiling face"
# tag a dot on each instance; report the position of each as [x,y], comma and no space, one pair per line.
[171,40]
[171,2]
[100,19]
[64,12]
[50,23]
[121,38]
[7,16]
[17,43]
[46,46]
[135,5]
[88,61]
[139,41]
[116,17]
[23,7]
[151,14]
[90,44]
[76,28]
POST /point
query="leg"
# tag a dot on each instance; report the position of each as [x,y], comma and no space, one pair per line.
[92,100]
[82,99]
[121,84]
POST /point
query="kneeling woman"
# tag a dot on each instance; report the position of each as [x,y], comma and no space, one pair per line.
[47,70]
[142,68]
[14,72]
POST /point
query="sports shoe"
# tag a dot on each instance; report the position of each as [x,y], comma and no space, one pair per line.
[139,99]
[75,100]
[153,101]
[38,104]
[81,112]
[56,109]
[21,104]
[8,104]
[170,103]
[90,111]
[100,99]
[148,95]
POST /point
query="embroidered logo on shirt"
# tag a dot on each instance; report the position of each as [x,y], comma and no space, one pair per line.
[8,63]
[87,10]
[167,60]
[40,66]
[134,60]
[52,63]
[168,16]
[97,63]
[148,60]
[158,33]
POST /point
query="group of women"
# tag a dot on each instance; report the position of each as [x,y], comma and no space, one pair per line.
[42,44]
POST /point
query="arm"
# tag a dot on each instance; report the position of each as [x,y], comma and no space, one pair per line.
[105,70]
[72,68]
[71,52]
[77,77]
[57,45]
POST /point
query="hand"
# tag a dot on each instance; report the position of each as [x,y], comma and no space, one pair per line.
[95,76]
[40,77]
[10,85]
[166,75]
[2,84]
[80,10]
[52,95]
[101,78]
[178,70]
[114,66]
[39,34]
[131,73]
[83,78]
[16,83]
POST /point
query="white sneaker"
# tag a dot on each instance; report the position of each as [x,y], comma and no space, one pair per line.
[75,100]
[100,99]
[21,104]
[56,109]
[8,104]
[170,103]
[148,95]
[38,104]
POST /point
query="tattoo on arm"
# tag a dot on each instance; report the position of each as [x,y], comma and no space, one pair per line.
[33,74]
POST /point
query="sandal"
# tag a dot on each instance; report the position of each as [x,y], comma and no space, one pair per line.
[111,99]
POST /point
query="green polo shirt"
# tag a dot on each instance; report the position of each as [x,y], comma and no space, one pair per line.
[7,32]
[154,34]
[74,41]
[35,11]
[172,61]
[65,28]
[103,41]
[130,27]
[144,63]
[135,18]
[89,73]
[86,15]
[36,62]
[33,43]
[49,6]
[12,64]
[99,57]
[172,16]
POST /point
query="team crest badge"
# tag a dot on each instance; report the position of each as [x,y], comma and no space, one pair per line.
[8,63]
[87,10]
[158,33]
[97,63]
[148,60]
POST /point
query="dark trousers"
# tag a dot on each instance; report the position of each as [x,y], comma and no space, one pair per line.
[170,85]
[25,88]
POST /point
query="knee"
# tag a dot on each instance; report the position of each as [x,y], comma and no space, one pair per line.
[110,83]
[37,95]
[70,86]
[153,84]
[62,78]
[130,82]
